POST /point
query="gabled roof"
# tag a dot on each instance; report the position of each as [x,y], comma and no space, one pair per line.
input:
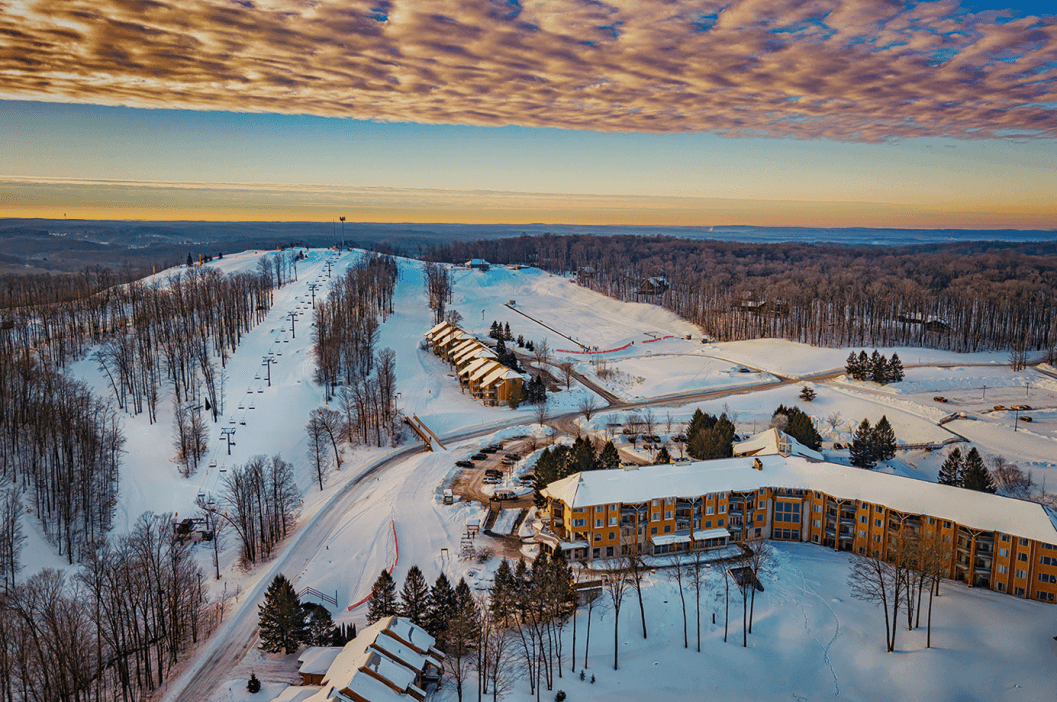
[436,328]
[768,443]
[497,374]
[475,366]
[978,510]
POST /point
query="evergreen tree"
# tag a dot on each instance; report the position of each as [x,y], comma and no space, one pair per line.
[808,394]
[494,331]
[609,457]
[506,332]
[895,369]
[583,456]
[714,442]
[441,606]
[520,341]
[662,456]
[190,261]
[851,366]
[884,440]
[975,475]
[282,621]
[951,470]
[383,598]
[698,422]
[864,365]
[878,368]
[253,685]
[414,597]
[799,426]
[320,628]
[862,452]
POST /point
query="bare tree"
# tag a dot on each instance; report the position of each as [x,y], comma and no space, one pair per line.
[761,562]
[633,563]
[616,584]
[676,573]
[317,445]
[834,420]
[697,573]
[587,406]
[1010,479]
[542,411]
[331,423]
[542,352]
[567,373]
[11,536]
[880,582]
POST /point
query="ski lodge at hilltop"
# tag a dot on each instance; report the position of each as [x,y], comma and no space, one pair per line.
[474,363]
[995,542]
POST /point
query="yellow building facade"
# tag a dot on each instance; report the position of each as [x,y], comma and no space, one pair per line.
[994,542]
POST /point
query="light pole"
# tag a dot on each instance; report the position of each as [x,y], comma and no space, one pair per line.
[342,218]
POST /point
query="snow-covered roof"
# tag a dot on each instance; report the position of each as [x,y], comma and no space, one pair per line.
[668,539]
[767,443]
[300,693]
[380,664]
[487,369]
[473,349]
[436,328]
[969,508]
[475,366]
[462,345]
[317,659]
[497,374]
[702,534]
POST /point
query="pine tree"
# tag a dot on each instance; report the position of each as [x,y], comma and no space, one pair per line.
[864,365]
[951,470]
[320,628]
[807,394]
[799,426]
[699,421]
[414,597]
[895,369]
[884,440]
[282,621]
[383,598]
[851,366]
[609,457]
[494,331]
[441,606]
[862,452]
[714,442]
[583,456]
[975,475]
[506,332]
[253,685]
[878,368]
[190,261]
[663,456]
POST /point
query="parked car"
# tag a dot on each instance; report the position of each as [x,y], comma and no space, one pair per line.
[492,481]
[489,449]
[480,457]
[500,495]
[513,456]
[464,464]
[494,473]
[1025,419]
[940,398]
[743,369]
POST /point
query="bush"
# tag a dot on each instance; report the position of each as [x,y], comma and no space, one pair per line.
[254,685]
[559,696]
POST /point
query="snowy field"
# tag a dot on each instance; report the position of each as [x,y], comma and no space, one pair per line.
[816,642]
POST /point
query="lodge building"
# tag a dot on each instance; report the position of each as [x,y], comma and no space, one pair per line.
[996,542]
[475,364]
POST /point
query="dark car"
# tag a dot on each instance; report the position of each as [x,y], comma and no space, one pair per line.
[464,464]
[480,457]
[494,472]
[488,449]
[513,456]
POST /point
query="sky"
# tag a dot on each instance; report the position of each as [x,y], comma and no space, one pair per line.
[876,113]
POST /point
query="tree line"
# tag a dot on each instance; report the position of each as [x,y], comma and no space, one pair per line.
[113,631]
[875,367]
[960,297]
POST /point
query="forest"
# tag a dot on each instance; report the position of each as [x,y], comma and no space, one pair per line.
[115,629]
[960,297]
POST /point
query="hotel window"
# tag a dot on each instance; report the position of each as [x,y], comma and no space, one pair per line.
[818,508]
[598,537]
[817,522]
[1005,538]
[1023,542]
[879,509]
[579,523]
[1047,578]
[667,528]
[612,521]
[1049,560]
[598,523]
[709,510]
[1003,552]
[1022,573]
[862,518]
[1018,591]
[815,538]
[862,534]
[877,538]
[653,530]
[668,514]
[1022,556]
[612,535]
[656,503]
[600,508]
[1002,569]
[720,522]
[877,522]
[946,525]
[759,517]
[708,523]
[931,520]
[722,509]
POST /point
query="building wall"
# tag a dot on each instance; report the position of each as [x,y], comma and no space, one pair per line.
[1003,562]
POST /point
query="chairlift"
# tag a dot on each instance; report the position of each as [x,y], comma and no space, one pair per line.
[212,464]
[252,407]
[261,390]
[241,407]
[201,495]
[243,422]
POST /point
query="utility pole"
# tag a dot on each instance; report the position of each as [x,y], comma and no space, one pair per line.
[1016,420]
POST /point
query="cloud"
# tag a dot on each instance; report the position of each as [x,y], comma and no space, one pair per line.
[860,70]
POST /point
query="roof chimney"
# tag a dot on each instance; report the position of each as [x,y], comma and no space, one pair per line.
[757,464]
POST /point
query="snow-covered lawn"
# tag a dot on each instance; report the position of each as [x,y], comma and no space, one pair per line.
[652,375]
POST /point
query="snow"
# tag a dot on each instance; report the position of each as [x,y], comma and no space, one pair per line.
[966,507]
[637,377]
[504,523]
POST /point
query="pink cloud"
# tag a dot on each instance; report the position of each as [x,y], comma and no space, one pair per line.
[839,69]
